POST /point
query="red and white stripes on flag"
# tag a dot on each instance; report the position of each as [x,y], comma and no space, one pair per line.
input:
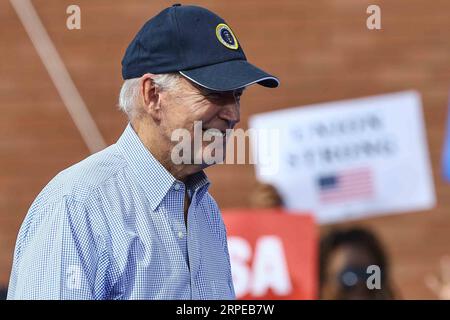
[346,185]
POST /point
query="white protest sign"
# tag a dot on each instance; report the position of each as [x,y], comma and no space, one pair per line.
[347,159]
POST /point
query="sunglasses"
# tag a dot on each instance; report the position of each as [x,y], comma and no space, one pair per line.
[220,96]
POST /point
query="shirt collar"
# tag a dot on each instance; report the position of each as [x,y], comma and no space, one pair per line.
[150,173]
[198,182]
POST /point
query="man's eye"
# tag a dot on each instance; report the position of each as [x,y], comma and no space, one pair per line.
[221,96]
[215,96]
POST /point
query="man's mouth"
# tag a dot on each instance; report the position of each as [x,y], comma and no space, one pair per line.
[213,132]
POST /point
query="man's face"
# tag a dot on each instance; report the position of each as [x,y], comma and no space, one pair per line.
[209,113]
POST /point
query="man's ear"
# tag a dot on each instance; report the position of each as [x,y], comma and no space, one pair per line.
[150,96]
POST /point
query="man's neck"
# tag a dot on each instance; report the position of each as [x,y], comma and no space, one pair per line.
[161,151]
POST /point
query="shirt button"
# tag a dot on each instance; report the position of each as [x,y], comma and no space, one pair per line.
[180,235]
[176,186]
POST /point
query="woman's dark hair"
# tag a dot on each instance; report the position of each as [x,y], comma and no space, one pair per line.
[359,237]
[3,293]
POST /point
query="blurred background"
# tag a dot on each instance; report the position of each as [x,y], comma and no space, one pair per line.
[321,50]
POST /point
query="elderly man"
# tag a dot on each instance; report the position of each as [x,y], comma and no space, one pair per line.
[129,222]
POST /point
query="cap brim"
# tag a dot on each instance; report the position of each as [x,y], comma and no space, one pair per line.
[230,75]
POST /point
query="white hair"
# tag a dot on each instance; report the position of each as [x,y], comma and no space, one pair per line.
[131,90]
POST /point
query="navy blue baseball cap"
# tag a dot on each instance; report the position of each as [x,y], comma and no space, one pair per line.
[196,43]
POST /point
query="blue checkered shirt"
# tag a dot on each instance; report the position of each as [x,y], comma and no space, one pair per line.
[112,227]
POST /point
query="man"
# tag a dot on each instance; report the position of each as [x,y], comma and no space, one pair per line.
[129,222]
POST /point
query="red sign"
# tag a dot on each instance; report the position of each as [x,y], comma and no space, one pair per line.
[273,254]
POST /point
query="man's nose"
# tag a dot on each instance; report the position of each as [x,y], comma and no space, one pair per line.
[231,112]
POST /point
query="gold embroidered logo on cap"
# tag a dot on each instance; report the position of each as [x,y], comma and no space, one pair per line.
[226,36]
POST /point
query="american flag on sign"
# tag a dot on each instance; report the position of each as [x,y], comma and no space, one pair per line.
[348,185]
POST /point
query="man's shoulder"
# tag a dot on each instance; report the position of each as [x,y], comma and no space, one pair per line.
[79,180]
